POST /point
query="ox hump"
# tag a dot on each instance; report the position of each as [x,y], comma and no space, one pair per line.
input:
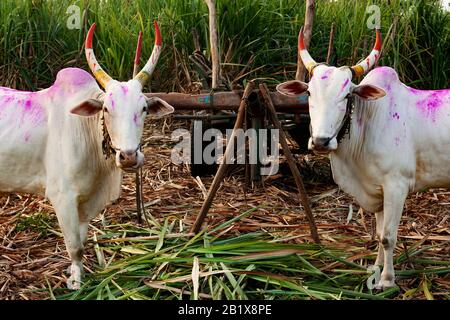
[74,78]
[383,77]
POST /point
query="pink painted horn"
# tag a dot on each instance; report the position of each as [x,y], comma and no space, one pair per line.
[365,65]
[144,75]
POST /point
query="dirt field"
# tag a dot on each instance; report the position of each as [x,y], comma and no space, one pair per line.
[33,257]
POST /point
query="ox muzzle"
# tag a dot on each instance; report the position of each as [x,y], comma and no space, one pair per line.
[322,145]
[129,160]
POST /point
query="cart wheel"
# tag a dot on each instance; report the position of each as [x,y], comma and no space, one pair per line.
[198,166]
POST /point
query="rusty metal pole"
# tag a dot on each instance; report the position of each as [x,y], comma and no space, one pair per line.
[303,197]
[223,166]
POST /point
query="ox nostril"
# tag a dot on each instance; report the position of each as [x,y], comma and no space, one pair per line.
[321,142]
[128,158]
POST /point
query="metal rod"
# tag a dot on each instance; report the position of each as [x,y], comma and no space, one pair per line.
[303,197]
[223,166]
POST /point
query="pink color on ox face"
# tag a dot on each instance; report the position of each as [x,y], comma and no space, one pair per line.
[136,119]
[344,85]
[326,75]
[113,102]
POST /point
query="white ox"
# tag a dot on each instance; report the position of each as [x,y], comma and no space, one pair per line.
[399,139]
[51,143]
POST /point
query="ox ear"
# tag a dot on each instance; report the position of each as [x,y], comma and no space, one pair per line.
[292,88]
[157,107]
[88,108]
[368,92]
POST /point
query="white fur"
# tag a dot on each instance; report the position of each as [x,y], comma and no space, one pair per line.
[397,144]
[47,150]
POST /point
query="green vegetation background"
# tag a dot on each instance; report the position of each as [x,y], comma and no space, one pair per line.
[257,38]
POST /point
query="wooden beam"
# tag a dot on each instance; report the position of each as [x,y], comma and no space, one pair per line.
[331,42]
[229,150]
[303,197]
[230,100]
[214,43]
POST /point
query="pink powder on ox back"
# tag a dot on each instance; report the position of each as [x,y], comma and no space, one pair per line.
[27,136]
[431,103]
[32,113]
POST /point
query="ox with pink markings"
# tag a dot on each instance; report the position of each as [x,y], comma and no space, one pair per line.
[51,143]
[384,139]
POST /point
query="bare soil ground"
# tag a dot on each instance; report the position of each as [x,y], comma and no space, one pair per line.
[33,256]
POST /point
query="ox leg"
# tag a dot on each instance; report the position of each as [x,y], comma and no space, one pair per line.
[394,200]
[67,214]
[380,256]
[83,231]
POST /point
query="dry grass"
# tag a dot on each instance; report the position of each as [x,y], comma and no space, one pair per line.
[33,257]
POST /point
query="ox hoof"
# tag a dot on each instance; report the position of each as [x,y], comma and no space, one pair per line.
[74,281]
[385,284]
[73,284]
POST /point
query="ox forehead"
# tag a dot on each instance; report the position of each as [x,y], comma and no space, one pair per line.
[124,105]
[330,82]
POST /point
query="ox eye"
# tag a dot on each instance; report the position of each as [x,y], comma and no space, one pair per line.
[145,109]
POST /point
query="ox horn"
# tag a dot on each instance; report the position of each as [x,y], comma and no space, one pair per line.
[102,77]
[365,65]
[307,60]
[144,75]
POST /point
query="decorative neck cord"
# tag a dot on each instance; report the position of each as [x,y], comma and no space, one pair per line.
[107,147]
[346,122]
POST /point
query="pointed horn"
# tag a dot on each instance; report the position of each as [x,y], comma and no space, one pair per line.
[365,65]
[137,57]
[102,77]
[307,60]
[144,76]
